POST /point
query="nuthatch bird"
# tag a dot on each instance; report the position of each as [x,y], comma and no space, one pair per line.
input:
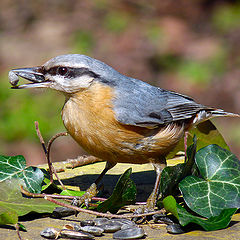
[114,117]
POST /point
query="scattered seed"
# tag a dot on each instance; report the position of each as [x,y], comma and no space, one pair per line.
[129,233]
[125,226]
[123,221]
[72,226]
[110,227]
[87,223]
[13,78]
[60,212]
[174,228]
[50,233]
[100,221]
[162,219]
[66,233]
[96,231]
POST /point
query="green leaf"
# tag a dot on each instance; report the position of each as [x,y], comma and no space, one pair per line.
[206,134]
[169,204]
[219,187]
[15,167]
[47,186]
[68,192]
[172,175]
[12,199]
[170,178]
[7,216]
[22,227]
[213,223]
[123,194]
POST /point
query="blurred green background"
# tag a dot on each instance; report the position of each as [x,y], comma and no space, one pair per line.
[191,47]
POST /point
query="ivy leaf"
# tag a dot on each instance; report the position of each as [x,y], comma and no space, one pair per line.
[206,134]
[7,216]
[47,186]
[213,223]
[172,175]
[123,194]
[15,167]
[170,205]
[12,200]
[219,187]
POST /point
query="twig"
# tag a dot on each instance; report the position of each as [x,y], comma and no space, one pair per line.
[42,195]
[52,140]
[47,152]
[40,137]
[48,155]
[50,166]
[107,215]
[18,232]
[65,197]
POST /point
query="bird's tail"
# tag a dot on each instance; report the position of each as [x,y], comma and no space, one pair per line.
[222,113]
[209,113]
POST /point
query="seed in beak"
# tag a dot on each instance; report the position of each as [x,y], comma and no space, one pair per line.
[13,78]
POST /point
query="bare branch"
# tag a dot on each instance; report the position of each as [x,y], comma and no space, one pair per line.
[18,232]
[47,152]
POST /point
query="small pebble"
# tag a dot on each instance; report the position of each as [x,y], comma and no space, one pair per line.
[96,231]
[174,228]
[13,78]
[110,227]
[129,233]
[100,221]
[50,233]
[60,212]
[87,223]
[66,233]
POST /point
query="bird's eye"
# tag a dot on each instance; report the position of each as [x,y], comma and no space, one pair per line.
[62,71]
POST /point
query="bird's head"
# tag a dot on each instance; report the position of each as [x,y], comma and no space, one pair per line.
[66,73]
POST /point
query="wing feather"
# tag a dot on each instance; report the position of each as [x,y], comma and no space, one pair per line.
[140,104]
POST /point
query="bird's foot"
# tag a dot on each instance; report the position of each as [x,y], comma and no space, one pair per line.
[87,196]
[147,208]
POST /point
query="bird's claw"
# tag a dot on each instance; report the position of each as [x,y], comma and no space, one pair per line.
[86,197]
[147,208]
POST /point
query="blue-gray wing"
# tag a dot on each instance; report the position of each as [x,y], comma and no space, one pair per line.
[140,104]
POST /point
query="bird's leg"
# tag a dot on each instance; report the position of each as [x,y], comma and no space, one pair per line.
[151,201]
[92,190]
[108,166]
[185,143]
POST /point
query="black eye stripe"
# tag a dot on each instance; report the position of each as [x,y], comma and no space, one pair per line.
[52,71]
[72,72]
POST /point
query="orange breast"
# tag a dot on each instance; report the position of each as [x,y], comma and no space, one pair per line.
[89,118]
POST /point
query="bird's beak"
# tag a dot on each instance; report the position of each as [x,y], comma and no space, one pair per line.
[34,75]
